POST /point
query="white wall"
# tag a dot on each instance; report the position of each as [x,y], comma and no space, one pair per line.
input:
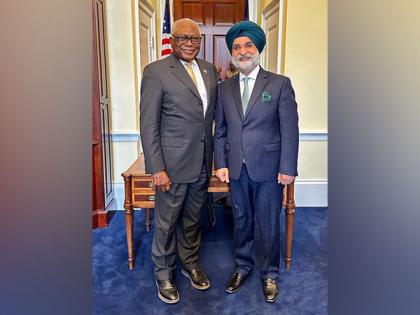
[122,81]
[305,62]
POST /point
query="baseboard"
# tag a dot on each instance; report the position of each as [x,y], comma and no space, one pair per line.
[311,194]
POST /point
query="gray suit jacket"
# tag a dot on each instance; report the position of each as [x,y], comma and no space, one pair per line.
[175,134]
[266,137]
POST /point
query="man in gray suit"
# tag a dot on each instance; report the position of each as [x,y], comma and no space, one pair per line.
[178,97]
[256,149]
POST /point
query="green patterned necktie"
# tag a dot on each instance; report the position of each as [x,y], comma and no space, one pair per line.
[245,94]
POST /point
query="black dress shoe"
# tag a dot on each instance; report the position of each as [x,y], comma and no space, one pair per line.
[167,291]
[198,278]
[234,283]
[271,290]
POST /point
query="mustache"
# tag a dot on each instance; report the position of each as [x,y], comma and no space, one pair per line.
[244,56]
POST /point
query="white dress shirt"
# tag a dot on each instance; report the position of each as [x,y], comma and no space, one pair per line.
[200,83]
[251,83]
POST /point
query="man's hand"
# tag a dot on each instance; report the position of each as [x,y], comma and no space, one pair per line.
[285,179]
[223,174]
[161,180]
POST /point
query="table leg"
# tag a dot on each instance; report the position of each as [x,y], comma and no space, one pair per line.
[128,206]
[290,216]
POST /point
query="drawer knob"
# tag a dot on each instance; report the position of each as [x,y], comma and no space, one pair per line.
[150,184]
[152,198]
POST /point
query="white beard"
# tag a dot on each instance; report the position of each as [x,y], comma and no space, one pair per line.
[246,66]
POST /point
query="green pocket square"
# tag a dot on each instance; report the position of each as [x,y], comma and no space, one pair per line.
[265,97]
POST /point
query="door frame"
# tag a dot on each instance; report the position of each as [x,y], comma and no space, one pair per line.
[270,9]
[148,8]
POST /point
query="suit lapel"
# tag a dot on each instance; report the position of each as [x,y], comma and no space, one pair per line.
[259,85]
[177,68]
[237,95]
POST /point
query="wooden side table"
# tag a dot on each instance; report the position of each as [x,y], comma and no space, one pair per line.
[140,194]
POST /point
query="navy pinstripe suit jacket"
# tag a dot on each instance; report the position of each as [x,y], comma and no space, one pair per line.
[266,137]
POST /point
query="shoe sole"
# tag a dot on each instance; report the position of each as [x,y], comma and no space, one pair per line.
[162,298]
[233,291]
[273,300]
[236,290]
[193,284]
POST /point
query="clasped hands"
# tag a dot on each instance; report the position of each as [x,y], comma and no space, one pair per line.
[223,175]
[161,180]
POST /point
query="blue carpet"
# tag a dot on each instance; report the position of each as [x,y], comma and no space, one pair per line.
[116,290]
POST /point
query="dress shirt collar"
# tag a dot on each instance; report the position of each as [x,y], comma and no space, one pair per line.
[185,63]
[252,75]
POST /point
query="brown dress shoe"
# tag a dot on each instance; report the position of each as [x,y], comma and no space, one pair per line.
[198,278]
[167,291]
[271,290]
[234,283]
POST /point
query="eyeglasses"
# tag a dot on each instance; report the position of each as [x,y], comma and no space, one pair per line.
[184,39]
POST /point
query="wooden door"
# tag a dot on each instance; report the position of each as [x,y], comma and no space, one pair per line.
[102,189]
[214,17]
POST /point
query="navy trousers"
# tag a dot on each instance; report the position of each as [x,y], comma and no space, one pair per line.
[257,207]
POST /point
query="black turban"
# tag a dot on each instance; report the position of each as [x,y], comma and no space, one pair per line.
[248,29]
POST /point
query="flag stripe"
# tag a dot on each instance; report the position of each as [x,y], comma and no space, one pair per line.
[166,32]
[166,51]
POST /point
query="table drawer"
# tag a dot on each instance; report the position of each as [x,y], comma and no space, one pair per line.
[143,197]
[142,183]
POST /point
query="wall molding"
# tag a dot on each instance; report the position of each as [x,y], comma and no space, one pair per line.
[134,136]
[313,136]
[125,136]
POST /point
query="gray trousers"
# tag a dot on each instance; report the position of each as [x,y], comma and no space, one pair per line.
[177,225]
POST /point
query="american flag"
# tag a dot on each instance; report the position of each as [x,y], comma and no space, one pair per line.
[166,32]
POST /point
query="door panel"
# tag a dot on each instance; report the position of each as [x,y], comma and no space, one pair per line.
[220,51]
[146,31]
[272,21]
[272,31]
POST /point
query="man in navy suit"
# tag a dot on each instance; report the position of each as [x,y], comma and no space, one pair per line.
[256,150]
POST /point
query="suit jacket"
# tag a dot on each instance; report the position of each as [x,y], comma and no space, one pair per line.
[174,131]
[266,137]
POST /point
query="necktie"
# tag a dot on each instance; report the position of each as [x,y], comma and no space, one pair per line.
[245,94]
[191,73]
